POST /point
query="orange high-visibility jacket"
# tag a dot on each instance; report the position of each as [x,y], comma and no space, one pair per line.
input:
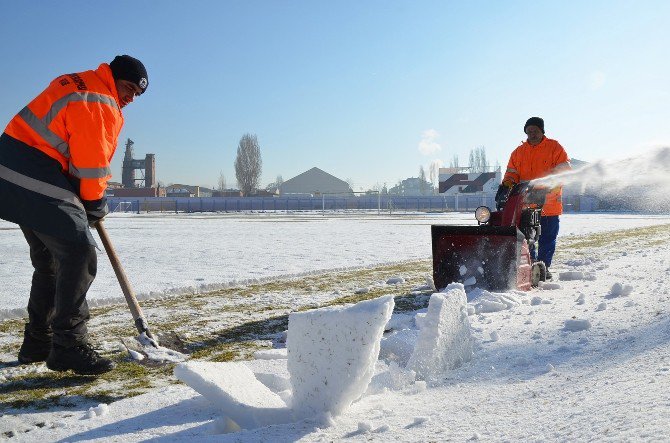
[75,120]
[529,162]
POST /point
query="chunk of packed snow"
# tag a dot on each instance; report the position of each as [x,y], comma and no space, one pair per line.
[97,411]
[571,275]
[602,306]
[548,286]
[619,290]
[575,324]
[271,354]
[395,280]
[332,353]
[536,301]
[445,341]
[136,355]
[462,269]
[420,420]
[234,390]
[494,336]
[470,281]
[575,275]
[364,290]
[581,299]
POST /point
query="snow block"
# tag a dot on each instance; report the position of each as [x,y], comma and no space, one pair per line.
[576,325]
[332,353]
[445,339]
[234,390]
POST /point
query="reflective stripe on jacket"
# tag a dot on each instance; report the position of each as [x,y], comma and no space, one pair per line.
[529,162]
[76,120]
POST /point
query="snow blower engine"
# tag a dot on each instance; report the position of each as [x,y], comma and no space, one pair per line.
[493,255]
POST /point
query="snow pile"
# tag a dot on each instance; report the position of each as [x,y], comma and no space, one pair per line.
[485,301]
[332,353]
[233,388]
[619,290]
[576,324]
[97,411]
[444,340]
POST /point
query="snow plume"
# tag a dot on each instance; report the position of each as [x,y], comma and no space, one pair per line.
[428,145]
[641,182]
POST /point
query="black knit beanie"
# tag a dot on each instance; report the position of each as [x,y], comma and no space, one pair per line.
[534,121]
[125,67]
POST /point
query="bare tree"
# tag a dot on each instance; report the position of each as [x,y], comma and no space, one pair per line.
[435,174]
[483,163]
[478,159]
[278,182]
[422,180]
[221,186]
[248,164]
[350,182]
[454,161]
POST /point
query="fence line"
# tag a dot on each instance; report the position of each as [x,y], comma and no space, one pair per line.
[386,203]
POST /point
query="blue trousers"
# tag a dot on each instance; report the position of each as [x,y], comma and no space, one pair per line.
[547,241]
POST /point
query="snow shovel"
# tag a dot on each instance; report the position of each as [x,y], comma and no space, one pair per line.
[150,347]
[146,337]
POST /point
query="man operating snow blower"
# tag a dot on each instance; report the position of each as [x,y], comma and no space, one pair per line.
[535,158]
[54,166]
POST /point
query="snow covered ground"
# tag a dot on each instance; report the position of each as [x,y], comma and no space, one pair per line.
[586,357]
[188,253]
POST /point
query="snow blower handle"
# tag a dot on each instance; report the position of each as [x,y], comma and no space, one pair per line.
[129,294]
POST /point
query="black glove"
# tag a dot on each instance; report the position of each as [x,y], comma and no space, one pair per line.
[95,210]
[93,219]
[536,195]
[501,195]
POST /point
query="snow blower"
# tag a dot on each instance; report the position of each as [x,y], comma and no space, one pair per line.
[493,255]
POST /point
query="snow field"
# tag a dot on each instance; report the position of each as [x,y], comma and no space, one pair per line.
[529,379]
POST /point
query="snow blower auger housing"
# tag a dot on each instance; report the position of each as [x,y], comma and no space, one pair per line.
[493,255]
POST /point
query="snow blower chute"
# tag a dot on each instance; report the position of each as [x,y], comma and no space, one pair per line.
[493,255]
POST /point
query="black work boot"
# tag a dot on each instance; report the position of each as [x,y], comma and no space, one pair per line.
[34,348]
[82,359]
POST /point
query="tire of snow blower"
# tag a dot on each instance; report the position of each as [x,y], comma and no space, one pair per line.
[538,273]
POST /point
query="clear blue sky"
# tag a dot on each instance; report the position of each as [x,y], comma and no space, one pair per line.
[353,87]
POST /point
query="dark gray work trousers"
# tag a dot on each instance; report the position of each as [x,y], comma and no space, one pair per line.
[64,270]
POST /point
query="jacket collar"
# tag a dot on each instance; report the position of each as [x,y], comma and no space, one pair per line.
[104,73]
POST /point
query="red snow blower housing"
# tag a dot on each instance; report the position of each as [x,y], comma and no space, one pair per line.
[493,255]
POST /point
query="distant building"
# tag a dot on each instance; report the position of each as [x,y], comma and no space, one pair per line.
[315,182]
[135,192]
[179,190]
[412,186]
[227,193]
[461,181]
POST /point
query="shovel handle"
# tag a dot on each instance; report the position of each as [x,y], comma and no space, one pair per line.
[129,294]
